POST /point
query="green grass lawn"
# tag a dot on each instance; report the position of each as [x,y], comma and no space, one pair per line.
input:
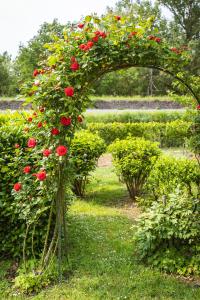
[102,258]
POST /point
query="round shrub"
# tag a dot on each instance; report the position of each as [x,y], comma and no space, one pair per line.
[134,158]
[170,172]
[86,148]
[167,235]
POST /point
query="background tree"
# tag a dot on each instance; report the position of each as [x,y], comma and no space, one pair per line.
[7,77]
[29,56]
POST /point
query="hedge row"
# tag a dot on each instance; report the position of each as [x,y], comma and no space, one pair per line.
[110,117]
[170,134]
[132,117]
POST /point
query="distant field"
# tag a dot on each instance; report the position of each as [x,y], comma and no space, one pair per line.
[132,98]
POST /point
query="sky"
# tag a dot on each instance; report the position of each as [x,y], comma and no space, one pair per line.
[20,19]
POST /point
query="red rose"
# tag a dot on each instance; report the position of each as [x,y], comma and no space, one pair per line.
[30,119]
[69,91]
[27,169]
[74,66]
[65,121]
[151,37]
[61,150]
[41,175]
[95,39]
[81,25]
[17,146]
[175,50]
[82,46]
[39,125]
[90,44]
[133,33]
[46,152]
[103,35]
[80,119]
[55,131]
[198,107]
[32,143]
[157,40]
[35,114]
[36,72]
[42,71]
[41,109]
[117,18]
[17,186]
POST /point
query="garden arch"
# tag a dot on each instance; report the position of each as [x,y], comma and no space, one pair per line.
[59,94]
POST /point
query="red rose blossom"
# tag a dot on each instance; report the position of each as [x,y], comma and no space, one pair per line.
[39,125]
[41,109]
[17,186]
[74,66]
[61,150]
[81,25]
[41,175]
[80,119]
[46,152]
[157,39]
[32,143]
[27,169]
[90,44]
[17,146]
[55,131]
[35,114]
[69,91]
[30,119]
[65,121]
[36,72]
[117,18]
[198,107]
[95,39]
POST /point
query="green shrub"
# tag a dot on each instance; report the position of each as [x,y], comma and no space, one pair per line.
[86,148]
[134,159]
[167,235]
[135,117]
[170,173]
[13,118]
[171,134]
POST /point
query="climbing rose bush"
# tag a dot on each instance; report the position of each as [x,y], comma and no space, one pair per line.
[59,95]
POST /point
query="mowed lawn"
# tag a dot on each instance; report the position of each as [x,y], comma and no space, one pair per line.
[102,257]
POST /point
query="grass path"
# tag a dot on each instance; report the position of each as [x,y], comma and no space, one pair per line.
[102,253]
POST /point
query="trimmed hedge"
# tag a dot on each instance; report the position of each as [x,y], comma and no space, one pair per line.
[170,173]
[86,148]
[170,134]
[135,117]
[133,160]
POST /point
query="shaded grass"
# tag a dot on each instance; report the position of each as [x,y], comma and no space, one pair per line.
[102,253]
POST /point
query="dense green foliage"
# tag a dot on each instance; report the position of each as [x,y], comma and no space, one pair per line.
[167,235]
[170,173]
[133,159]
[170,134]
[18,215]
[86,148]
[8,84]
